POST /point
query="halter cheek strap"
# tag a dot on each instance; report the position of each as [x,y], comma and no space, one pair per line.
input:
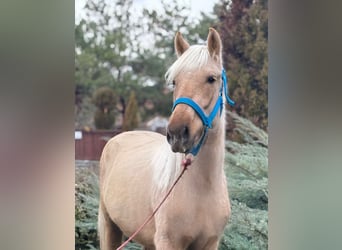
[206,120]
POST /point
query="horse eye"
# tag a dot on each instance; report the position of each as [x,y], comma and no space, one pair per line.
[172,84]
[211,79]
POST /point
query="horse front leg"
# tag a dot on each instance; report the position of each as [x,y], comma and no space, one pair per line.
[167,245]
[212,246]
[167,242]
[109,234]
[210,243]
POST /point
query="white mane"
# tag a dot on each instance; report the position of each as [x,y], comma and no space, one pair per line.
[196,56]
[167,166]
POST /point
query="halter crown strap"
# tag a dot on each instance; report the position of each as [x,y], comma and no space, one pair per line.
[206,120]
[225,88]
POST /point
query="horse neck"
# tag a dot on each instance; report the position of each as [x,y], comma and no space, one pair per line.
[210,160]
[208,164]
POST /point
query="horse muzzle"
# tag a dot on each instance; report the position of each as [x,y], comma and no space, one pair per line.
[184,129]
[179,138]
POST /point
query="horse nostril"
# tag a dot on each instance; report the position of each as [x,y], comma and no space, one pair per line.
[168,136]
[180,133]
[186,131]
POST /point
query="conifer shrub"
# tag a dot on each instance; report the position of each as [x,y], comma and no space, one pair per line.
[105,100]
[131,114]
[103,120]
[246,168]
[86,208]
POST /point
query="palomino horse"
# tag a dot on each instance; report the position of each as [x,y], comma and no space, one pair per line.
[137,168]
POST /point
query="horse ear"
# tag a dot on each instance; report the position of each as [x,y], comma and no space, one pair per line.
[181,45]
[214,44]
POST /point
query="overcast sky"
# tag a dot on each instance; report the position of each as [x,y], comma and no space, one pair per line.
[196,6]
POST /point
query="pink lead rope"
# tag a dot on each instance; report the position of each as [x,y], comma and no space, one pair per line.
[185,163]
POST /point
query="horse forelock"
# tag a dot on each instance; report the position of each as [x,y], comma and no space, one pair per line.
[195,57]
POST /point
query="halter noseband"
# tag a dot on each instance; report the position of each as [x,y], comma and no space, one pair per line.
[207,120]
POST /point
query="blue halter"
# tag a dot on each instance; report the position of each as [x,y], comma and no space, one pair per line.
[207,120]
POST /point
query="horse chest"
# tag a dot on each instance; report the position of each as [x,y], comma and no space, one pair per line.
[195,225]
[210,202]
[197,213]
[212,213]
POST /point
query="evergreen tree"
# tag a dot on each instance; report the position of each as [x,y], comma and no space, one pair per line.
[153,59]
[244,31]
[103,52]
[114,49]
[131,115]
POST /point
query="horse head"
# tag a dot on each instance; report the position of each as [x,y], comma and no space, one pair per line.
[196,77]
